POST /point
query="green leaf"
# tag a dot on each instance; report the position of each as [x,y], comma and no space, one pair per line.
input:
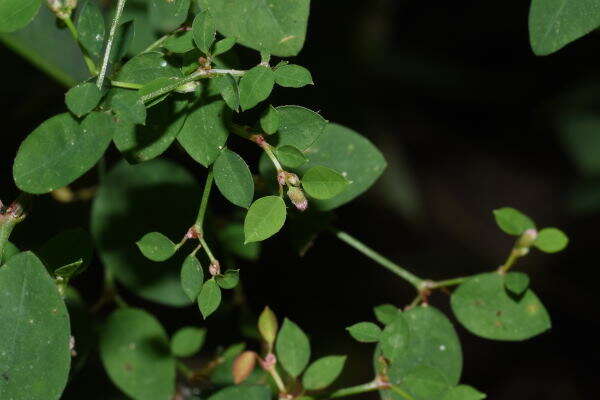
[265,218]
[156,247]
[187,341]
[180,42]
[432,342]
[90,26]
[463,392]
[300,127]
[293,75]
[16,14]
[425,383]
[231,238]
[270,120]
[234,179]
[293,348]
[255,86]
[551,240]
[277,26]
[555,23]
[164,122]
[395,337]
[365,332]
[192,277]
[204,31]
[323,183]
[243,392]
[290,156]
[483,307]
[60,151]
[128,106]
[150,93]
[147,67]
[268,326]
[83,98]
[209,298]
[135,352]
[166,15]
[66,248]
[229,90]
[135,197]
[35,332]
[11,250]
[516,282]
[229,279]
[223,46]
[512,221]
[323,372]
[385,313]
[205,131]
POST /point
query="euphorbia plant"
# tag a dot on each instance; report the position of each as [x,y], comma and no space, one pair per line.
[185,89]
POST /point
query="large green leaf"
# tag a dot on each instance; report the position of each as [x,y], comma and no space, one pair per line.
[483,306]
[353,155]
[265,218]
[60,151]
[205,131]
[323,372]
[135,197]
[167,15]
[49,47]
[299,126]
[34,350]
[433,342]
[16,14]
[234,179]
[293,348]
[147,67]
[276,26]
[555,23]
[135,352]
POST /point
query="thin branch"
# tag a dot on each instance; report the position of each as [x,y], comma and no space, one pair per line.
[376,384]
[109,43]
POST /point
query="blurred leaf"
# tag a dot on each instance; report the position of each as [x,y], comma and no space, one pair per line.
[579,135]
[9,251]
[137,197]
[323,372]
[16,14]
[395,337]
[265,218]
[180,42]
[512,221]
[293,348]
[385,313]
[60,151]
[243,366]
[463,392]
[229,279]
[365,332]
[551,240]
[156,247]
[231,238]
[35,332]
[555,23]
[135,353]
[268,326]
[234,179]
[209,298]
[516,282]
[278,27]
[243,392]
[187,341]
[66,248]
[192,277]
[483,307]
[166,16]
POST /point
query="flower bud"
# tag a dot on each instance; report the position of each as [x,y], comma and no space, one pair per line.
[527,238]
[268,326]
[297,197]
[281,178]
[243,366]
[214,268]
[269,362]
[292,179]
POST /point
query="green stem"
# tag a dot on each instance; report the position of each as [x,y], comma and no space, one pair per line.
[156,44]
[278,381]
[401,392]
[514,255]
[378,258]
[204,203]
[449,282]
[372,386]
[207,250]
[109,43]
[91,66]
[126,85]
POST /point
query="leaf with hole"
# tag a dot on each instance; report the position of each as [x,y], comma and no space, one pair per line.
[60,151]
[135,352]
[483,306]
[35,332]
[265,218]
[234,179]
[293,348]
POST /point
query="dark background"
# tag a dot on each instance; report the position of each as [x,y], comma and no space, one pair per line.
[469,121]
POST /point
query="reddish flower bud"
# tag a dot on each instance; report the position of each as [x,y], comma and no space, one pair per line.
[297,197]
[243,366]
[214,268]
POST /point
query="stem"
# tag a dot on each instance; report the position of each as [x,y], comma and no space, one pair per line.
[209,253]
[401,392]
[242,131]
[372,386]
[378,258]
[268,150]
[449,282]
[278,381]
[514,255]
[156,44]
[126,85]
[203,204]
[91,66]
[109,43]
[218,71]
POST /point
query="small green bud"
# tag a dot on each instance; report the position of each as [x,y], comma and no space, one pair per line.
[268,326]
[528,238]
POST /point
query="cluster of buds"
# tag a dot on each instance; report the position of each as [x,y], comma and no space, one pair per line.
[526,241]
[62,8]
[294,193]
